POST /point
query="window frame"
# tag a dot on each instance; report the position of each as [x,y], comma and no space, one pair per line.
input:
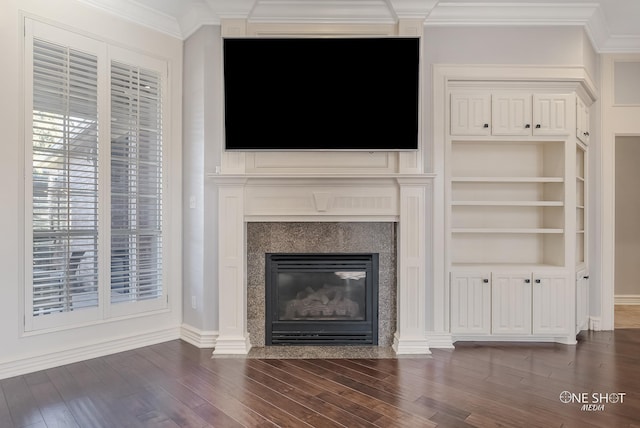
[105,52]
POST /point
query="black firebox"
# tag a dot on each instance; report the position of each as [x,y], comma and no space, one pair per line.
[321,299]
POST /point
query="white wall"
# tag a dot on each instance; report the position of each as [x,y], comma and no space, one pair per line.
[202,116]
[617,121]
[564,46]
[627,268]
[19,352]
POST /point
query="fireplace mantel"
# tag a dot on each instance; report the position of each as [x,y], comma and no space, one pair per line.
[402,198]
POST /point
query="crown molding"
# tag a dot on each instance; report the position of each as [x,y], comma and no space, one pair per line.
[620,44]
[196,17]
[432,12]
[139,14]
[587,15]
[361,11]
[511,14]
[412,9]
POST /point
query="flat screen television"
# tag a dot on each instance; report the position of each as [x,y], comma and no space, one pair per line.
[321,93]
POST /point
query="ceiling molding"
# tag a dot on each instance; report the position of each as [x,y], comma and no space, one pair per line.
[511,14]
[231,9]
[140,14]
[196,13]
[196,17]
[620,44]
[360,11]
[412,9]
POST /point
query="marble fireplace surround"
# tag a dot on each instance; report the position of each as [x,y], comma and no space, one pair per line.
[321,237]
[402,199]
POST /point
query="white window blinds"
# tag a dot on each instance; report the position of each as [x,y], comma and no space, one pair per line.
[65,179]
[95,180]
[136,184]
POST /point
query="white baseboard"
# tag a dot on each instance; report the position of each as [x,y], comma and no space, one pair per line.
[232,345]
[567,340]
[410,346]
[198,338]
[439,340]
[626,299]
[86,352]
[595,323]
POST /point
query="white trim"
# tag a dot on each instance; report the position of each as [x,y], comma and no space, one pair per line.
[229,345]
[615,121]
[198,338]
[441,340]
[410,346]
[627,299]
[587,15]
[566,340]
[139,14]
[595,324]
[98,349]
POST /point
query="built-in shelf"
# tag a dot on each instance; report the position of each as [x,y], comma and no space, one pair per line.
[509,203]
[506,230]
[510,179]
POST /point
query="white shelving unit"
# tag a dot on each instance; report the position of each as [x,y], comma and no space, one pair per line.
[516,198]
[507,202]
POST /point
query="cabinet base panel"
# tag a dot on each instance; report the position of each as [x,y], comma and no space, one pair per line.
[566,340]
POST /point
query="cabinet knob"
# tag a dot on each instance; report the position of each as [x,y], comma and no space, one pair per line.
[538,126]
[537,281]
[586,134]
[485,280]
[586,277]
[486,125]
[527,281]
[527,126]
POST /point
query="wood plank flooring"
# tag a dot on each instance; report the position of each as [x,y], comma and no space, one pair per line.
[476,385]
[627,316]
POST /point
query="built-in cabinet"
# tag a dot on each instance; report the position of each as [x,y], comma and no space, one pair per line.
[516,221]
[512,303]
[507,113]
[582,121]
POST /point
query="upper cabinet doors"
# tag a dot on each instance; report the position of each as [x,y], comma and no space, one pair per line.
[470,114]
[511,114]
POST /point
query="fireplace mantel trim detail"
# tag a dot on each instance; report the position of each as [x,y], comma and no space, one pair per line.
[402,198]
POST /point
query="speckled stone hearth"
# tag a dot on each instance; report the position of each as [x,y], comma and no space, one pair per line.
[324,237]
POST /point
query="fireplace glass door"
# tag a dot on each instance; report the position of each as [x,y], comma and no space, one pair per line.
[321,298]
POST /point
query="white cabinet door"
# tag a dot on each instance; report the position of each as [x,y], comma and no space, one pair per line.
[582,121]
[582,301]
[470,303]
[511,114]
[470,114]
[553,306]
[511,303]
[551,114]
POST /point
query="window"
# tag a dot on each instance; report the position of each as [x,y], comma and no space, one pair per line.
[136,184]
[64,178]
[95,149]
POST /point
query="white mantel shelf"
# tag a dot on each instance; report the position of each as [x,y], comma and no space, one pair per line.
[324,176]
[402,198]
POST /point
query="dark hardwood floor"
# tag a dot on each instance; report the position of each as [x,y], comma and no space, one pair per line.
[484,385]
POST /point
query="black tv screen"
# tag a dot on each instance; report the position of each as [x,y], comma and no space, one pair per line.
[321,93]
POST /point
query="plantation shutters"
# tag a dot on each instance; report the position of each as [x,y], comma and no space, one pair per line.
[64,179]
[94,181]
[136,183]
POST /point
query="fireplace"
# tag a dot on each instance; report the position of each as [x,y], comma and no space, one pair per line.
[321,299]
[266,212]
